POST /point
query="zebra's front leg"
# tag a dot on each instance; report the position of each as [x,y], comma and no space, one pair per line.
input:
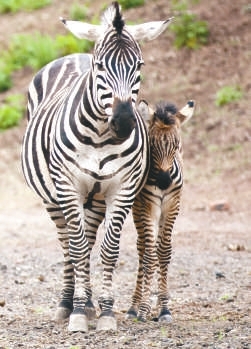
[109,256]
[94,215]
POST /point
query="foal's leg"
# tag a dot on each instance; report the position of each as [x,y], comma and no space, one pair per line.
[146,215]
[164,250]
[150,217]
[137,294]
[170,210]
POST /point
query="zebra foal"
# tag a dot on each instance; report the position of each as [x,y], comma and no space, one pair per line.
[85,153]
[157,205]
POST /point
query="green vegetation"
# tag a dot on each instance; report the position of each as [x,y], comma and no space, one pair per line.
[30,50]
[11,111]
[35,51]
[67,44]
[13,6]
[131,3]
[228,94]
[5,76]
[79,12]
[188,29]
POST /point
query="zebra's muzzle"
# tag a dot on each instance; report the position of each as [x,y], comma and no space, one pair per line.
[123,120]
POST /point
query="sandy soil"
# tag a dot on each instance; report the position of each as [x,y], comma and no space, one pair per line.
[210,272]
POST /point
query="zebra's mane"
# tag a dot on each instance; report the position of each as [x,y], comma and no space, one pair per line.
[165,112]
[112,16]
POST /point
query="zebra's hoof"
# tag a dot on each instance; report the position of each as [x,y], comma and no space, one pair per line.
[165,319]
[62,314]
[90,310]
[78,323]
[106,323]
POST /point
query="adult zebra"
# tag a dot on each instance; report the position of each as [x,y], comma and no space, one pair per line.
[85,153]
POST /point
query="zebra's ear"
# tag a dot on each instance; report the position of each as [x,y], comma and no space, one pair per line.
[83,30]
[186,112]
[149,30]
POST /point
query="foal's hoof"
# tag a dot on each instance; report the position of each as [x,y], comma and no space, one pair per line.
[78,323]
[165,317]
[131,314]
[106,323]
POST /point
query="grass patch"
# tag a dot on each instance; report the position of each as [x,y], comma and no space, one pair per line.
[12,6]
[131,3]
[67,44]
[11,111]
[188,29]
[35,51]
[5,76]
[228,94]
[79,12]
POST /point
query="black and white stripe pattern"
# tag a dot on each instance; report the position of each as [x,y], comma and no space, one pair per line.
[85,153]
[157,205]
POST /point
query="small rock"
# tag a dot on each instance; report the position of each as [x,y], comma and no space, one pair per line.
[237,247]
[219,275]
[219,206]
[2,302]
[41,278]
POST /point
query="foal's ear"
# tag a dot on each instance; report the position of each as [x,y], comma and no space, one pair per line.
[186,112]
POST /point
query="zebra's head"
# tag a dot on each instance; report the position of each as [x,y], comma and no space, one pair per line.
[116,64]
[164,124]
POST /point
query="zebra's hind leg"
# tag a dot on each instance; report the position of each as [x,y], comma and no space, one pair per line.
[65,306]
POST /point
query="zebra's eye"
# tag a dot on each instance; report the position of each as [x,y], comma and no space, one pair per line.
[140,63]
[100,65]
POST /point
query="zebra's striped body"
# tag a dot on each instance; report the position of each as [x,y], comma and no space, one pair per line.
[85,153]
[157,205]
